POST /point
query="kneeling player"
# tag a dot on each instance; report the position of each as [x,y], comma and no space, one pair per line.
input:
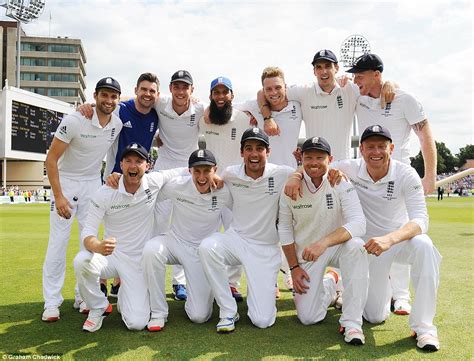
[320,229]
[196,214]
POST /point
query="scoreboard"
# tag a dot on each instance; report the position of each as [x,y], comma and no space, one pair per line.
[33,127]
[28,122]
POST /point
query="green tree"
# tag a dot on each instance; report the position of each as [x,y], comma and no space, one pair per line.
[464,154]
[446,160]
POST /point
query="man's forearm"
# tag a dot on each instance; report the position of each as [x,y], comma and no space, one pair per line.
[290,254]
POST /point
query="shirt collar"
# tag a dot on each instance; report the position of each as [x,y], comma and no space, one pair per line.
[143,186]
[95,120]
[319,91]
[364,174]
[309,183]
[169,109]
[266,172]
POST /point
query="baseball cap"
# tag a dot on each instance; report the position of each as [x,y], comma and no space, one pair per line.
[201,157]
[324,55]
[255,133]
[318,143]
[136,148]
[376,130]
[221,80]
[366,62]
[182,75]
[108,83]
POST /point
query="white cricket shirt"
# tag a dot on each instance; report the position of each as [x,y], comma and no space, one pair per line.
[179,133]
[195,216]
[392,201]
[319,212]
[328,115]
[289,121]
[397,117]
[255,201]
[127,217]
[88,145]
[224,140]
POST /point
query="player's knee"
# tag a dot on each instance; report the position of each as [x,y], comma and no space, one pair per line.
[206,248]
[374,317]
[422,243]
[262,321]
[199,317]
[81,260]
[135,323]
[306,318]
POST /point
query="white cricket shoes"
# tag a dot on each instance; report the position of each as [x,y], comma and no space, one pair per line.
[50,314]
[352,336]
[401,307]
[227,324]
[427,342]
[95,318]
[156,324]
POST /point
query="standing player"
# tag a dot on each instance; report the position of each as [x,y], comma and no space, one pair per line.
[140,123]
[127,213]
[179,133]
[196,214]
[252,238]
[286,114]
[222,133]
[400,116]
[328,109]
[73,163]
[391,195]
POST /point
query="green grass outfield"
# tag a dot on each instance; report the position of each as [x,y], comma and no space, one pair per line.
[23,237]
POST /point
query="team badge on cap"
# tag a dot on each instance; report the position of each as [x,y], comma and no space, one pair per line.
[256,134]
[315,140]
[317,143]
[201,157]
[374,130]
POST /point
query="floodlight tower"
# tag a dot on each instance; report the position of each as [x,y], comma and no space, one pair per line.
[23,11]
[351,48]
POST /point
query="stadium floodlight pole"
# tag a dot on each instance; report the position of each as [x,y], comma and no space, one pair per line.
[351,48]
[23,11]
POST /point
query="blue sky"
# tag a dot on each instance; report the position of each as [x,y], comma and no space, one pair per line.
[426,46]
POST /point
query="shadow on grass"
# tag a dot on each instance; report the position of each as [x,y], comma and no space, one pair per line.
[24,332]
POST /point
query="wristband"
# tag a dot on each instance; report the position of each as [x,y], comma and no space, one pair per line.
[295,266]
[267,117]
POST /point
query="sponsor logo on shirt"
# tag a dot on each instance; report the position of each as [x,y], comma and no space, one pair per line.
[119,206]
[233,133]
[62,130]
[299,206]
[339,102]
[271,186]
[317,107]
[329,201]
[390,189]
[239,185]
[88,136]
[211,132]
[94,204]
[179,199]
[357,184]
[128,124]
[364,105]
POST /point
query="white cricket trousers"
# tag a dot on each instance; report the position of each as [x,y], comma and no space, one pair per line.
[54,267]
[163,210]
[132,300]
[351,258]
[400,281]
[166,249]
[424,259]
[261,263]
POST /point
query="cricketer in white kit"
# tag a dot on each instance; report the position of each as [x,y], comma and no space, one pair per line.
[127,213]
[252,238]
[392,198]
[196,214]
[73,164]
[323,228]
